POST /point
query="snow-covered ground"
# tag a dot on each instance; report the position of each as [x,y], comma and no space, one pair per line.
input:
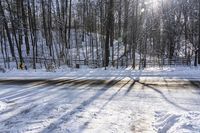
[192,73]
[97,100]
[108,106]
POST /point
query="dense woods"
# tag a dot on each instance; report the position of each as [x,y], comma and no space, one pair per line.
[99,33]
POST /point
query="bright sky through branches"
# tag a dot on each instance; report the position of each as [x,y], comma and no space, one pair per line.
[153,3]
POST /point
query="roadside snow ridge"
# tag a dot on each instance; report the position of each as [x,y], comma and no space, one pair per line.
[188,122]
[3,106]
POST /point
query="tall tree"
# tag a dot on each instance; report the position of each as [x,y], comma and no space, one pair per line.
[199,36]
[5,22]
[109,32]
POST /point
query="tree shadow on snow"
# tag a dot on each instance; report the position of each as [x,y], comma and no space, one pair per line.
[83,105]
[164,96]
[85,124]
[34,94]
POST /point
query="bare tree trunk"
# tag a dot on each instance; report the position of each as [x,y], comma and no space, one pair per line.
[199,37]
[5,49]
[25,27]
[109,32]
[134,34]
[112,24]
[20,41]
[69,27]
[34,33]
[44,22]
[49,25]
[2,49]
[7,31]
[125,30]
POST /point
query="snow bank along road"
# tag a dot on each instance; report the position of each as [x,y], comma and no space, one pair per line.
[99,106]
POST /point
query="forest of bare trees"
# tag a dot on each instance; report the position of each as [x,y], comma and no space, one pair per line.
[99,33]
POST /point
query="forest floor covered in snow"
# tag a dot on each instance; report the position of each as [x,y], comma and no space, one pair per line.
[95,100]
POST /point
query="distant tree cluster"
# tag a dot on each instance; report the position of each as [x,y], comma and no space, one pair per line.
[99,32]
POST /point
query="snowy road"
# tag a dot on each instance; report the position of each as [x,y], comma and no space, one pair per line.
[99,106]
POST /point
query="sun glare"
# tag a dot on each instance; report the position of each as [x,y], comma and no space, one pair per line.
[153,3]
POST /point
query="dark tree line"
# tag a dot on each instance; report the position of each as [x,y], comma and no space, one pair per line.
[100,33]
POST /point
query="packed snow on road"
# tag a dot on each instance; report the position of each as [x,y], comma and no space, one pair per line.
[79,105]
